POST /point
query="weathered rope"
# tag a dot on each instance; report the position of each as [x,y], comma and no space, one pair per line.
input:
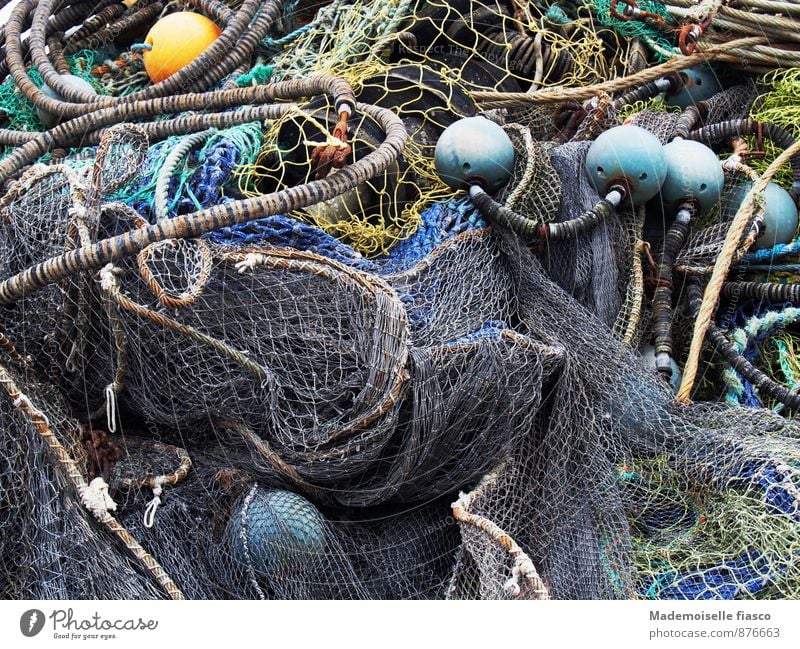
[523,569]
[33,147]
[188,296]
[555,95]
[198,223]
[66,464]
[235,43]
[720,272]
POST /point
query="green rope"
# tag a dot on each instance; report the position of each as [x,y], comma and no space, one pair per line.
[635,28]
[258,76]
[20,111]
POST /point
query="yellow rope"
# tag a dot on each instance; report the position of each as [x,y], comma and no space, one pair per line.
[720,272]
[722,51]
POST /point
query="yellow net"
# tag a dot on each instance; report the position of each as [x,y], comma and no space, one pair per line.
[378,48]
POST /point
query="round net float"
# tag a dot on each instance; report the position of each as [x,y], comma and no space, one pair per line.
[693,184]
[275,531]
[175,41]
[694,174]
[474,151]
[780,214]
[629,156]
[50,119]
[699,84]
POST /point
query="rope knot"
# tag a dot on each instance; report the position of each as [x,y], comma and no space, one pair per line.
[250,261]
[109,275]
[96,499]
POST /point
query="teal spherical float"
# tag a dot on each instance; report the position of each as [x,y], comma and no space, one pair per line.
[474,151]
[276,531]
[780,214]
[50,120]
[694,174]
[699,84]
[629,156]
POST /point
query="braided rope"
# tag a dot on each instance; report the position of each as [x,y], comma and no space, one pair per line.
[523,568]
[755,328]
[70,470]
[195,224]
[187,297]
[170,164]
[720,272]
[554,95]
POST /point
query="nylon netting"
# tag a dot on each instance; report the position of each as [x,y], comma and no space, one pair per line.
[245,378]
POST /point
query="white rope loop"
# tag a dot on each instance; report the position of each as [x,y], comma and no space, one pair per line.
[153,505]
[111,408]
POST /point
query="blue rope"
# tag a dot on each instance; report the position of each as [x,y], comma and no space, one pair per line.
[441,221]
[779,250]
[201,180]
[287,232]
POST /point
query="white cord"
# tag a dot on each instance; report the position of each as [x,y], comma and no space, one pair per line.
[111,408]
[152,506]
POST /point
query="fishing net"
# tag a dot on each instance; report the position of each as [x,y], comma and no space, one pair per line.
[379,213]
[254,347]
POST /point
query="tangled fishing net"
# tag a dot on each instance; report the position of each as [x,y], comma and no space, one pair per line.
[253,346]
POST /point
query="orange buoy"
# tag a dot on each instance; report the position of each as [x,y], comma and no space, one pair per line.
[175,41]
